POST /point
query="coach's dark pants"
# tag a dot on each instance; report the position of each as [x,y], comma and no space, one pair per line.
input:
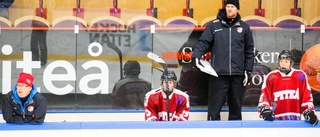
[219,88]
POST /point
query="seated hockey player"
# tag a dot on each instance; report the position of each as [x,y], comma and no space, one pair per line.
[286,94]
[167,103]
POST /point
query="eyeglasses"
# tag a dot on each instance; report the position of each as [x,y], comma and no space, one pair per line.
[21,86]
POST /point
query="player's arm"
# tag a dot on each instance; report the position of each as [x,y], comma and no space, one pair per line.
[305,93]
[150,110]
[265,104]
[183,110]
[307,107]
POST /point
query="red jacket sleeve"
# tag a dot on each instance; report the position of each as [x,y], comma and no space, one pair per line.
[306,94]
[183,110]
[150,109]
[266,95]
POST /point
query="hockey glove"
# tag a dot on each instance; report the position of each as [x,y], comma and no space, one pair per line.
[266,113]
[311,117]
[247,78]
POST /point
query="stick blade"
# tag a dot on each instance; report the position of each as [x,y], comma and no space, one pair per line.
[207,68]
[155,57]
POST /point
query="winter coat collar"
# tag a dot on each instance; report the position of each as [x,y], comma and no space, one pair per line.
[223,17]
[17,99]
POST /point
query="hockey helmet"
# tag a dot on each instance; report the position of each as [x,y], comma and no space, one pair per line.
[170,75]
[286,54]
[131,67]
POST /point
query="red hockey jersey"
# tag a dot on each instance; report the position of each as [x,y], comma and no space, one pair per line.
[288,95]
[156,110]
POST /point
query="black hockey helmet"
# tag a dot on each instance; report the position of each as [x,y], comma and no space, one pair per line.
[286,54]
[131,67]
[171,75]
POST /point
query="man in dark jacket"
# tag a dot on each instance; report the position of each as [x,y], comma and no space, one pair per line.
[128,93]
[24,104]
[230,42]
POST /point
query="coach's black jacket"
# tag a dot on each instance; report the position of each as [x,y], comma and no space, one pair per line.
[32,111]
[230,44]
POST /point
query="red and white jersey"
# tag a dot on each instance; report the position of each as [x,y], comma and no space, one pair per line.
[156,110]
[289,95]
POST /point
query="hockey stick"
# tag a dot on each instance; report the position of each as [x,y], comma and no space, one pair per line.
[116,49]
[159,60]
[274,104]
[206,67]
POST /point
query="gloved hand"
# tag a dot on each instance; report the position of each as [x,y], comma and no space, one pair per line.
[267,113]
[247,78]
[310,116]
[196,61]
